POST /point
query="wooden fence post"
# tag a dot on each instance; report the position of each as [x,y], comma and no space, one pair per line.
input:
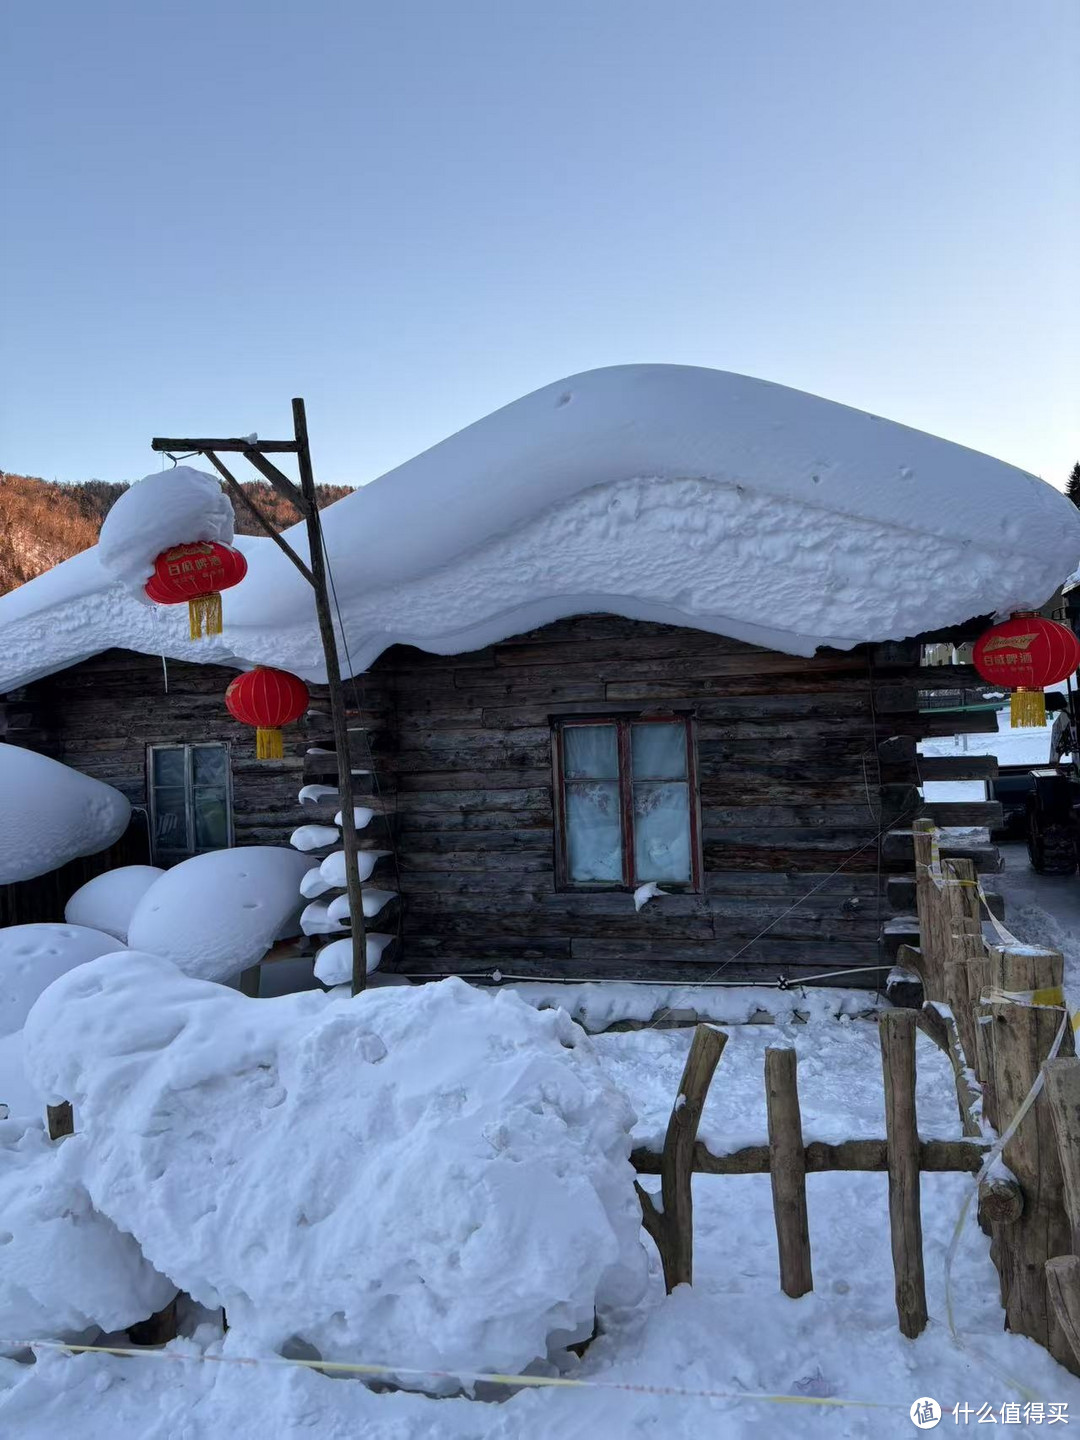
[60,1120]
[931,905]
[905,1218]
[1023,1034]
[787,1168]
[672,1224]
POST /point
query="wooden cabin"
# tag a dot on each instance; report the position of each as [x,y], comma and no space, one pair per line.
[524,791]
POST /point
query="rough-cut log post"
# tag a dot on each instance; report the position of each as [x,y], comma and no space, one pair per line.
[905,1218]
[962,965]
[931,904]
[60,1120]
[939,1022]
[1063,1288]
[1063,1096]
[787,1167]
[1023,1036]
[672,1225]
[250,980]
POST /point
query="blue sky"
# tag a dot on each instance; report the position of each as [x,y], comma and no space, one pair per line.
[411,213]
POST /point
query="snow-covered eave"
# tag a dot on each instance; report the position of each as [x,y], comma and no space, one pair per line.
[664,493]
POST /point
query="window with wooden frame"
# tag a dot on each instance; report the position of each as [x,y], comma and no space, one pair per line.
[190,789]
[626,802]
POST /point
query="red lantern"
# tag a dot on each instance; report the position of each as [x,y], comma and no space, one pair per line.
[1025,654]
[197,573]
[267,699]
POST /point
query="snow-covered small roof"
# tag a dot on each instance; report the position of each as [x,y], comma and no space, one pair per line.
[659,492]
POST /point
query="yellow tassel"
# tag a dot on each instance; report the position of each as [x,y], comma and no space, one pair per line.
[268,745]
[204,615]
[1027,708]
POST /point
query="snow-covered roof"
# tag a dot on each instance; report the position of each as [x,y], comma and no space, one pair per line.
[659,492]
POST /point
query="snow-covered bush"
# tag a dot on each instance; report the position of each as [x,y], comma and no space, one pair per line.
[108,901]
[66,1269]
[50,814]
[216,914]
[434,1175]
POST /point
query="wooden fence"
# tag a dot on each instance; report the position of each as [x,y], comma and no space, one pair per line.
[996,1009]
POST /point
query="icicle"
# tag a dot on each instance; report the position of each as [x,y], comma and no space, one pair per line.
[1027,708]
[204,615]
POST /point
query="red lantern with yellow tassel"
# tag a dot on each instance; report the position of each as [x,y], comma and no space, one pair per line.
[1026,654]
[267,699]
[197,573]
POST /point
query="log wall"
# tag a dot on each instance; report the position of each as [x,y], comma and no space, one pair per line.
[801,763]
[791,784]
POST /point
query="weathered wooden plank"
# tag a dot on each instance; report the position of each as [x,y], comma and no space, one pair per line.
[958,767]
[987,813]
[935,1157]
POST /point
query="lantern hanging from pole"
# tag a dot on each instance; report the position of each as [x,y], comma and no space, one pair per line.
[1026,654]
[197,573]
[267,699]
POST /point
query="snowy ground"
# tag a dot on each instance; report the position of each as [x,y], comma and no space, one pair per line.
[733,1332]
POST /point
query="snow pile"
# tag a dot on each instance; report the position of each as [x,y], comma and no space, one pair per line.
[108,901]
[333,966]
[170,507]
[67,1270]
[33,956]
[50,814]
[659,492]
[216,914]
[426,1175]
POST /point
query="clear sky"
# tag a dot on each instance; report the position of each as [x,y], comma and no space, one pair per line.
[411,212]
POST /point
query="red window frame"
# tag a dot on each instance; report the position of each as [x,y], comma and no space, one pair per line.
[622,724]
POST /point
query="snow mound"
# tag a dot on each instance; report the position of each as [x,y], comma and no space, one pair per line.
[50,814]
[660,492]
[33,956]
[108,901]
[314,837]
[18,1098]
[333,964]
[66,1269]
[332,869]
[169,507]
[433,1172]
[216,914]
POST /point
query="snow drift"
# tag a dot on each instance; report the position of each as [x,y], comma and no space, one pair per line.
[428,1175]
[108,901]
[660,492]
[216,914]
[50,814]
[66,1270]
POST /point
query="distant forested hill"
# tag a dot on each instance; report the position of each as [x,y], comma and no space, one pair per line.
[42,522]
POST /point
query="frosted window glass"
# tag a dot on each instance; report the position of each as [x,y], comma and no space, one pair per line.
[659,751]
[593,831]
[662,832]
[590,752]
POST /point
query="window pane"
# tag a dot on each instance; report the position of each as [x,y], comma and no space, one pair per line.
[170,818]
[662,832]
[658,751]
[169,766]
[209,764]
[590,752]
[211,820]
[593,831]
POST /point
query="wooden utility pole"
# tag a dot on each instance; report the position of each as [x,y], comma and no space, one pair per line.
[315,572]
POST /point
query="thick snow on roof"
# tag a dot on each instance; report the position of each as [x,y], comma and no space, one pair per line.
[661,492]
